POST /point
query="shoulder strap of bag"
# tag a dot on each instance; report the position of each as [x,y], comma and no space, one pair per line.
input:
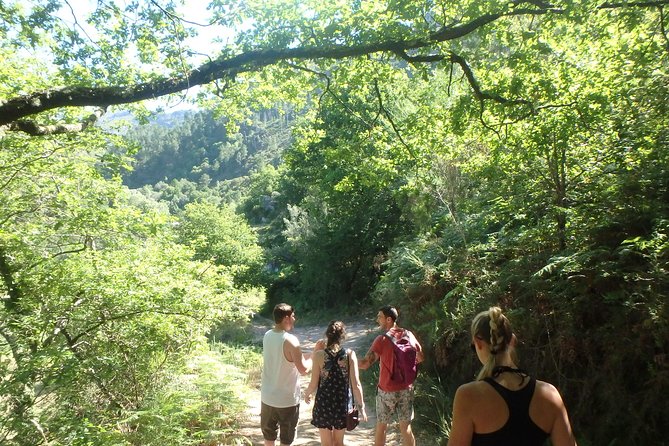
[350,386]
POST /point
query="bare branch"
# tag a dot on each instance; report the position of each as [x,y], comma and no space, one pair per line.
[663,29]
[78,25]
[19,168]
[178,28]
[329,91]
[73,340]
[422,58]
[71,344]
[386,113]
[328,82]
[174,17]
[480,94]
[469,75]
[7,277]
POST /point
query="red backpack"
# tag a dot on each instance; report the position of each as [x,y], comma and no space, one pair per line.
[405,367]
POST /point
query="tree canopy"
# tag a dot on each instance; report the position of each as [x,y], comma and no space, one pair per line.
[116,54]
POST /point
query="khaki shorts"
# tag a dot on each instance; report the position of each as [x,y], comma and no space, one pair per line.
[283,419]
[398,403]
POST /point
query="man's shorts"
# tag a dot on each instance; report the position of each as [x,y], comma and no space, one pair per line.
[398,403]
[283,419]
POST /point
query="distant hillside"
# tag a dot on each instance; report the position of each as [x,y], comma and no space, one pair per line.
[163,119]
[195,146]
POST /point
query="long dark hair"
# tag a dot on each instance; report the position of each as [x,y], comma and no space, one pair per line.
[335,333]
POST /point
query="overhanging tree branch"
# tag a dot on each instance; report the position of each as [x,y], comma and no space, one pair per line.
[480,94]
[34,129]
[469,75]
[651,4]
[20,107]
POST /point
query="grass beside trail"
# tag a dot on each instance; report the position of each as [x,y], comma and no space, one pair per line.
[203,403]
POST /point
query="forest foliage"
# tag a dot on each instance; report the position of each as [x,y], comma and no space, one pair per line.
[440,156]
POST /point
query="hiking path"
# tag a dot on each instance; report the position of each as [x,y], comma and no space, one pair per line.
[359,336]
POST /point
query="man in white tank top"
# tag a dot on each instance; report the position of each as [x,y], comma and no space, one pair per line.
[283,363]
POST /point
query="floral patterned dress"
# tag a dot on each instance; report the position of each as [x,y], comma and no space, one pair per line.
[333,397]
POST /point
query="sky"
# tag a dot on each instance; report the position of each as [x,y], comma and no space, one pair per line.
[194,11]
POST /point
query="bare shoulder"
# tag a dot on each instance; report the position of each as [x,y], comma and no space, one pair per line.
[469,400]
[291,340]
[548,399]
[472,390]
[550,414]
[319,357]
[549,393]
[291,348]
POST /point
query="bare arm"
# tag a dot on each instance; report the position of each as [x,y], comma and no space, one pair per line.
[293,353]
[369,359]
[462,427]
[561,433]
[356,387]
[420,356]
[315,377]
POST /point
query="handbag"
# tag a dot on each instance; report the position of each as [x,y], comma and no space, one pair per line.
[352,419]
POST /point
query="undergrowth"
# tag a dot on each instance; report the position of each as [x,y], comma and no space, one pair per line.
[201,406]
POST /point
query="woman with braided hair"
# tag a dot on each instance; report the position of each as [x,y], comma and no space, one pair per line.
[333,376]
[505,406]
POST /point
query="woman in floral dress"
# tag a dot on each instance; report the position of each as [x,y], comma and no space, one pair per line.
[334,374]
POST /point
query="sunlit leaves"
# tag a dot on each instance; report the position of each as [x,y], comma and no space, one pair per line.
[100,298]
[221,236]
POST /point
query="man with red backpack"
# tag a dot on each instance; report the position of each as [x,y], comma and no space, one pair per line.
[399,353]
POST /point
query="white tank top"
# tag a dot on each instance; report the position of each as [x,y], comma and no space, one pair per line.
[280,384]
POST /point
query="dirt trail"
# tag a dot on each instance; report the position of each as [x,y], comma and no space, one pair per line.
[359,336]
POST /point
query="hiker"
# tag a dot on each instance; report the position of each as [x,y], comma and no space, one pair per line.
[395,392]
[333,377]
[505,406]
[283,363]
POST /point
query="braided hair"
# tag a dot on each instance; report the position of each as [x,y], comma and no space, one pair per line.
[335,334]
[492,327]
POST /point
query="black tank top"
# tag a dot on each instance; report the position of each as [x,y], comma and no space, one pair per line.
[519,429]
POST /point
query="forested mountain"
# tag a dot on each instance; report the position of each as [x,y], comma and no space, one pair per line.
[197,147]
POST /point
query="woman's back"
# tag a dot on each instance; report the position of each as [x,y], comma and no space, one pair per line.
[505,406]
[489,412]
[515,426]
[333,398]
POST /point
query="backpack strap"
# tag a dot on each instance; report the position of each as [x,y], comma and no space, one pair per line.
[405,332]
[341,353]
